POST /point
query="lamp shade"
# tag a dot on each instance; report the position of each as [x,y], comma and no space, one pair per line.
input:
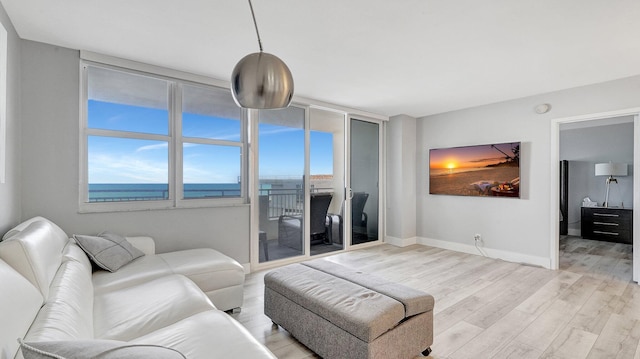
[262,81]
[611,169]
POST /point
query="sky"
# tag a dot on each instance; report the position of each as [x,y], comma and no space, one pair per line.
[124,160]
[469,156]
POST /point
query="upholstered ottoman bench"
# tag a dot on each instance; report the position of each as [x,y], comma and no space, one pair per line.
[339,312]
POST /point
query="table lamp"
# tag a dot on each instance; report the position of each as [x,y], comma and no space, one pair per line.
[610,169]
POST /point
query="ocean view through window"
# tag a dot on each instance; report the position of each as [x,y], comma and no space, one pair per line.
[151,139]
[115,192]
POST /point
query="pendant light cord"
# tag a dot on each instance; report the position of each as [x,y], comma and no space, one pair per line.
[256,25]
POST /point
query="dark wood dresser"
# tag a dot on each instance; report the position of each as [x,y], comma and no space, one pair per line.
[607,224]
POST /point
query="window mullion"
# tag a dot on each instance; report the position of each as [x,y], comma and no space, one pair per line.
[208,141]
[126,134]
[177,143]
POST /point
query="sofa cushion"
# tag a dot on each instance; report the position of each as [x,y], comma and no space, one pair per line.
[210,334]
[19,302]
[108,250]
[141,270]
[220,277]
[104,349]
[67,313]
[36,253]
[23,225]
[146,244]
[208,268]
[137,310]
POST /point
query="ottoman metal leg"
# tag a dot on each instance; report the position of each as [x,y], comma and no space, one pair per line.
[426,352]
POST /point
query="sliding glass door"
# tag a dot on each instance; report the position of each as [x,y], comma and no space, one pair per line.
[281,197]
[305,206]
[326,181]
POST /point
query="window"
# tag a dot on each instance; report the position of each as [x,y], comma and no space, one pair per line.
[211,143]
[156,142]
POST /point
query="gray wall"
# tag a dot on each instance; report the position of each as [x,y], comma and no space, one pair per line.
[50,153]
[10,203]
[515,225]
[583,148]
[401,175]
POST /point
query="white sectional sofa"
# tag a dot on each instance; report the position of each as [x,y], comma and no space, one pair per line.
[50,296]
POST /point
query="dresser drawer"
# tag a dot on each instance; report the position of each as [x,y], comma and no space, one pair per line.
[607,224]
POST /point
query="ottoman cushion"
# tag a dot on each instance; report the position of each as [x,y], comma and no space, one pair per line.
[414,301]
[360,311]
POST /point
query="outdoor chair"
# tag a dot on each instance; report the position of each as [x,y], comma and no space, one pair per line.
[290,227]
[359,218]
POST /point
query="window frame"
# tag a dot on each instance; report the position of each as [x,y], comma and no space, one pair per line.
[174,138]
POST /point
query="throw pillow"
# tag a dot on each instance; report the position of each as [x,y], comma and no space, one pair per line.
[108,250]
[102,349]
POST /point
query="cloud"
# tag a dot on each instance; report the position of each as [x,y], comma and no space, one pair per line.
[153,147]
[279,130]
[104,168]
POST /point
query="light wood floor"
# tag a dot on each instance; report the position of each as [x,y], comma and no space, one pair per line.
[487,308]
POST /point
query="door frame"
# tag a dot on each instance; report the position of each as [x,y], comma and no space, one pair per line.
[554,246]
[381,182]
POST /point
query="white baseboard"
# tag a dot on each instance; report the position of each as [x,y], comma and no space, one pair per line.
[488,252]
[400,242]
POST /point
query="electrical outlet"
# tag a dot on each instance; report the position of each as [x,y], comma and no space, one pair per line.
[477,238]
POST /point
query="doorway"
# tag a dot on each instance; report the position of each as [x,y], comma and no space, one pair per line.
[555,158]
[599,244]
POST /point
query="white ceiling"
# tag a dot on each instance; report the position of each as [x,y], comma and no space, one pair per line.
[415,57]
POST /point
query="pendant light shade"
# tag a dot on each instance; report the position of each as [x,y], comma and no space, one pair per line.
[261,80]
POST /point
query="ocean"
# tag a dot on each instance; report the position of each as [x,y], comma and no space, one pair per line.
[448,171]
[117,192]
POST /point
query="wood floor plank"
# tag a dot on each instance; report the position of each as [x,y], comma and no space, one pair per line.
[492,340]
[548,325]
[516,350]
[571,343]
[595,313]
[542,299]
[456,336]
[619,338]
[510,299]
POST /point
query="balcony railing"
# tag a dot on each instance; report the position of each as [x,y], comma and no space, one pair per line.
[122,195]
[286,201]
[280,201]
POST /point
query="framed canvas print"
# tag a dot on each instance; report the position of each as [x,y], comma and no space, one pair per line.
[491,170]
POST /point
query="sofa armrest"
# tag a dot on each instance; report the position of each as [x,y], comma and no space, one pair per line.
[146,244]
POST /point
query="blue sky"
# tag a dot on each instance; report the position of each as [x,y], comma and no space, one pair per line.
[121,160]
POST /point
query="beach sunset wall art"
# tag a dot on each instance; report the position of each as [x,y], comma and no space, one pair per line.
[482,170]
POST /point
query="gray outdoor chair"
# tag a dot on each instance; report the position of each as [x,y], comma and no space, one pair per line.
[290,227]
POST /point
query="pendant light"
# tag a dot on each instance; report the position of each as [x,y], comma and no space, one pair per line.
[261,80]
